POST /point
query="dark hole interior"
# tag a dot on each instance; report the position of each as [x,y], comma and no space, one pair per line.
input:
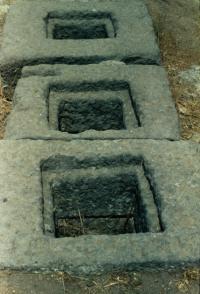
[81,115]
[86,31]
[94,226]
[101,205]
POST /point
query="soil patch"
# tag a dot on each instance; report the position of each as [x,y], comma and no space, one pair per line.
[177,24]
[116,283]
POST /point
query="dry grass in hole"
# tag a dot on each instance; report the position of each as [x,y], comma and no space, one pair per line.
[76,227]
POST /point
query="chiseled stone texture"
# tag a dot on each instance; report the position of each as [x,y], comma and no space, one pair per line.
[148,108]
[173,169]
[124,32]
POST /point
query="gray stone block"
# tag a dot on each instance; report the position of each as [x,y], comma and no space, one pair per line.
[78,32]
[106,101]
[162,178]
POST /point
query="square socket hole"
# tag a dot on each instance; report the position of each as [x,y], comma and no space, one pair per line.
[80,26]
[73,31]
[95,206]
[97,106]
[82,115]
[99,196]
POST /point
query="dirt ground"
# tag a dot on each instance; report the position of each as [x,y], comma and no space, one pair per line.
[177,24]
[118,283]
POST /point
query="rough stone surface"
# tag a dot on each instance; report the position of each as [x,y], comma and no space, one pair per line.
[192,75]
[174,175]
[142,91]
[124,31]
